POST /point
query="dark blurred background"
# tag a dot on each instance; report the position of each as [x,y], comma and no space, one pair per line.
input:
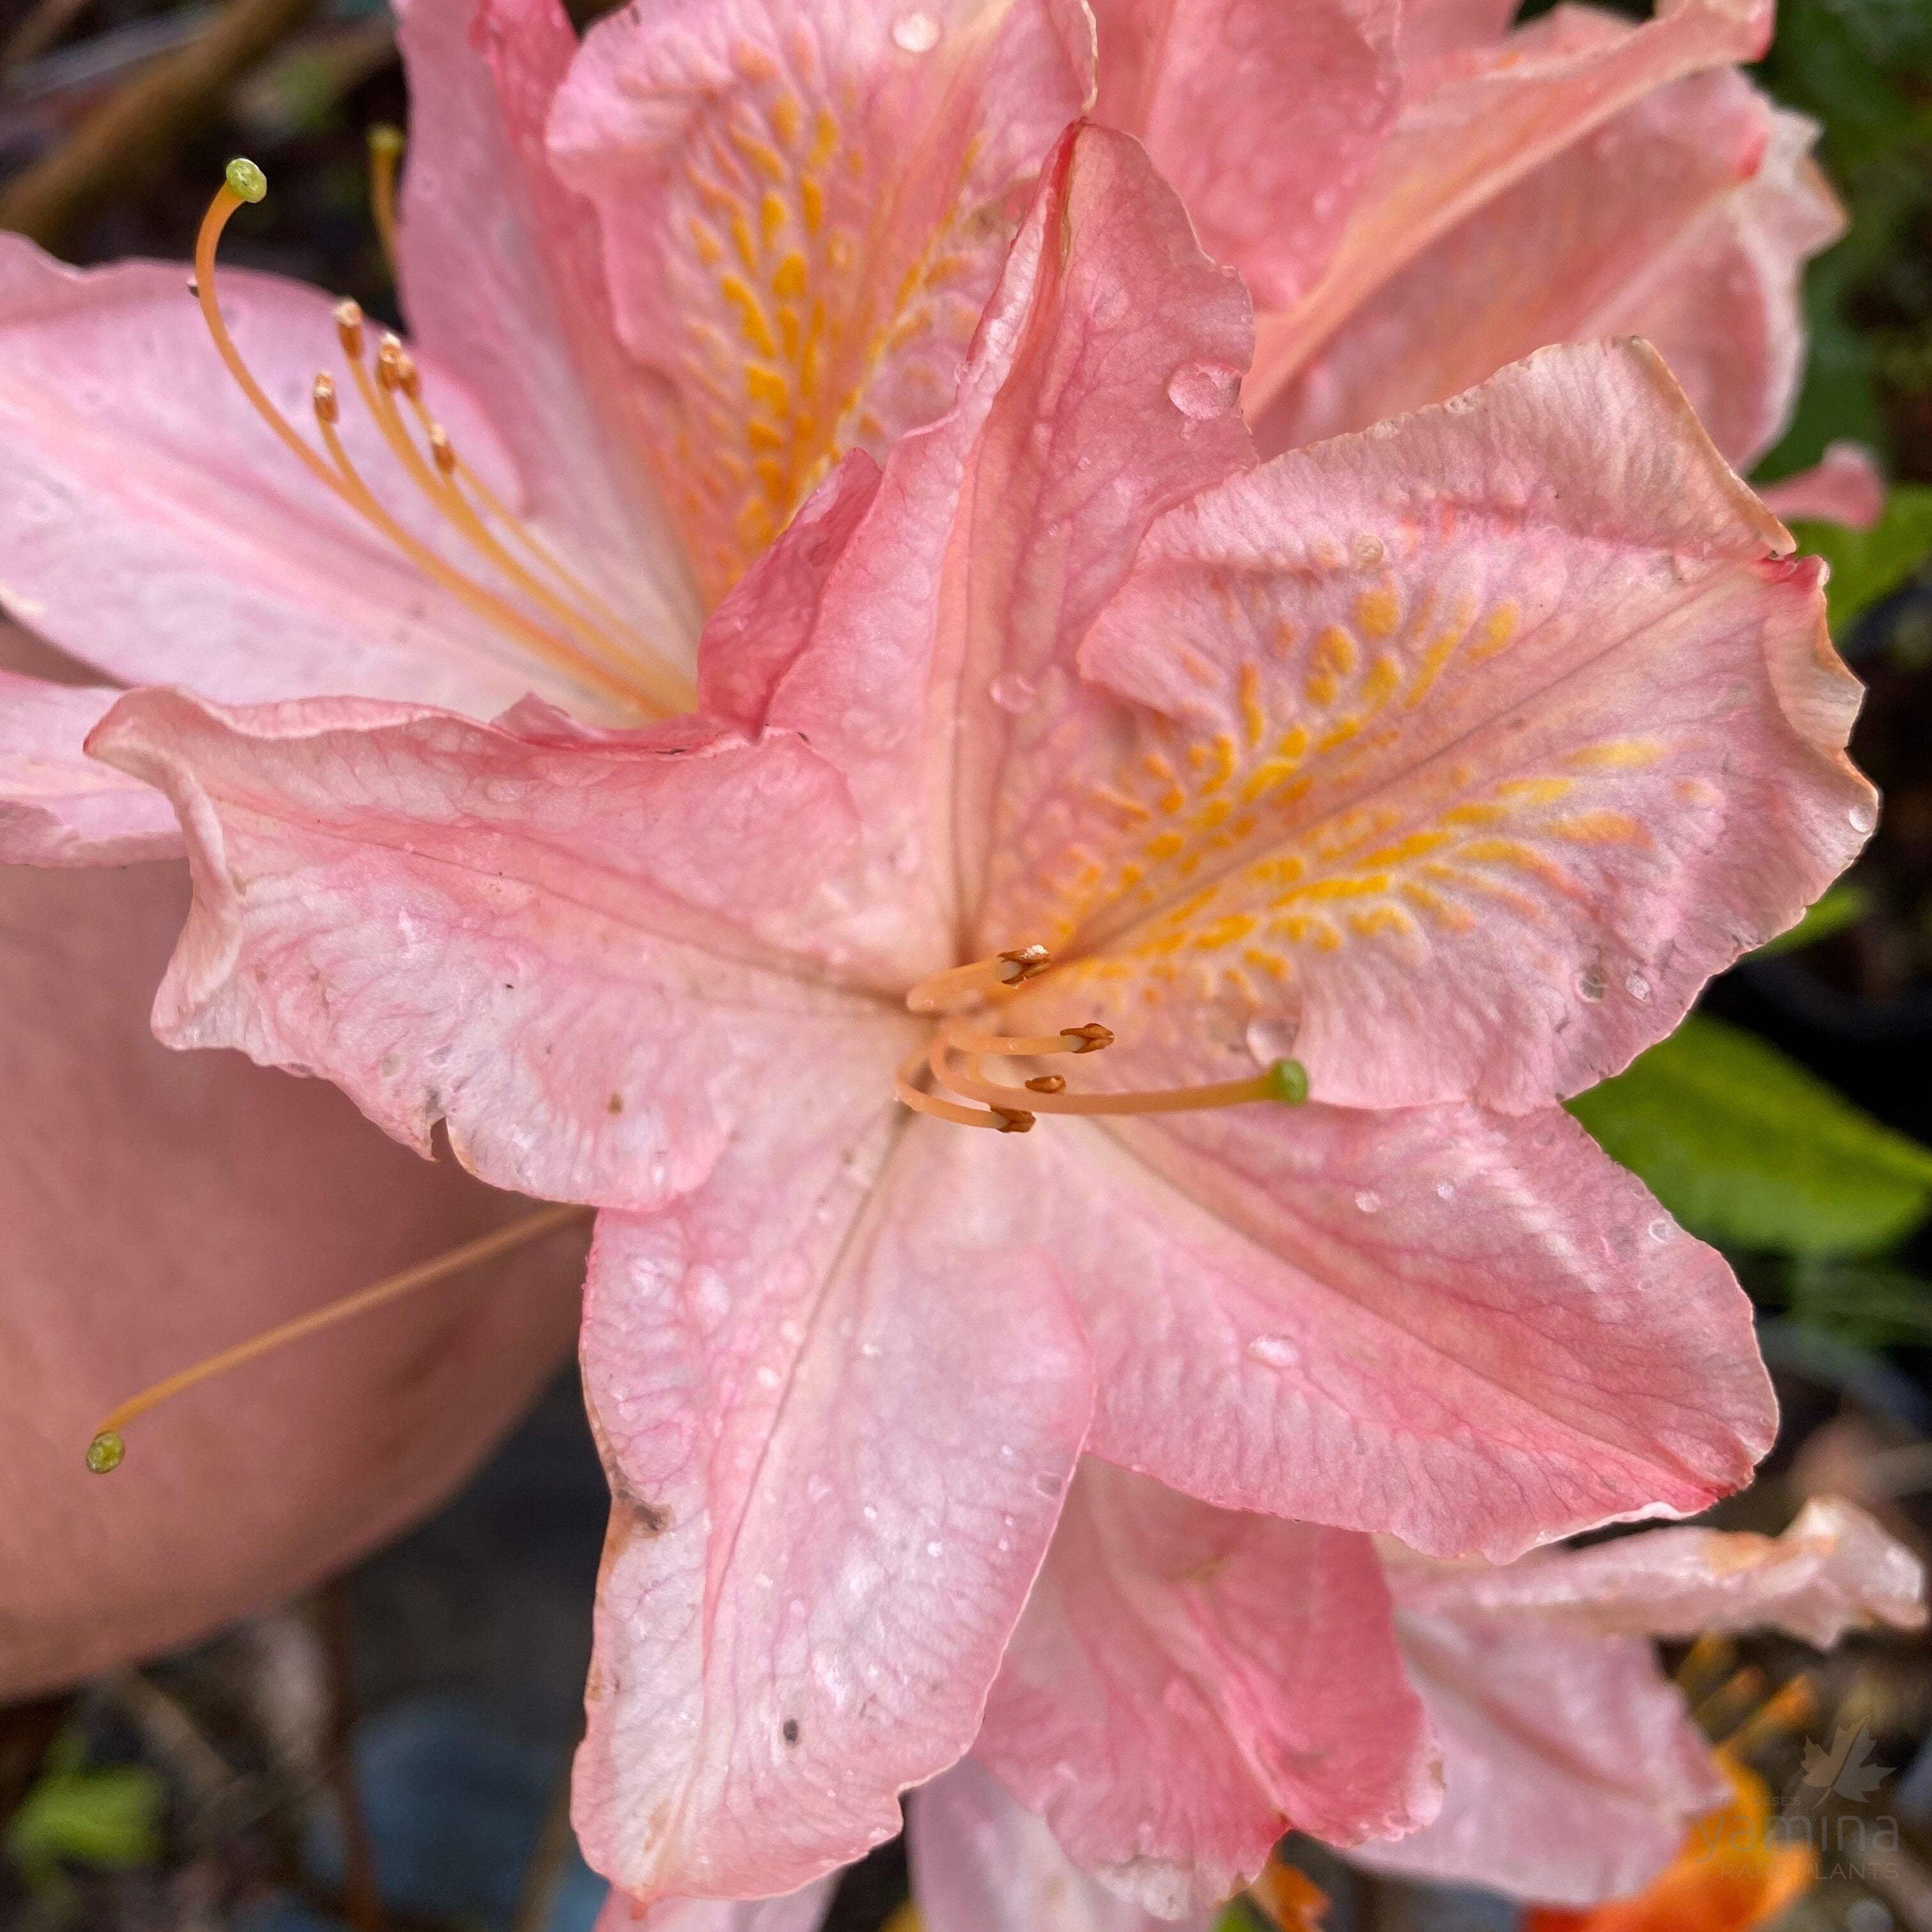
[392,1751]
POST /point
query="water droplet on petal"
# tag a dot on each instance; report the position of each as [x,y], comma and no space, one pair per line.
[1049,1484]
[933,1548]
[1445,1190]
[1275,1351]
[1368,1201]
[1661,1231]
[1636,986]
[1199,390]
[916,33]
[1862,817]
[869,1513]
[1369,551]
[1591,984]
[1012,692]
[1271,1040]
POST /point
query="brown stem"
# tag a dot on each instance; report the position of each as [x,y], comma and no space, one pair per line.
[140,120]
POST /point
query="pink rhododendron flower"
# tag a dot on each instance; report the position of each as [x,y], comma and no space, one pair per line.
[660,283]
[1452,757]
[1573,1769]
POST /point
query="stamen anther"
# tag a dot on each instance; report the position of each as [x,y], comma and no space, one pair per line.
[1046,1083]
[328,408]
[1013,1119]
[1087,1038]
[442,449]
[349,329]
[960,985]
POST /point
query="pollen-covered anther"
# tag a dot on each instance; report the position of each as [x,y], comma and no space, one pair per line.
[328,407]
[1088,1039]
[349,329]
[1013,1119]
[441,451]
[1046,1083]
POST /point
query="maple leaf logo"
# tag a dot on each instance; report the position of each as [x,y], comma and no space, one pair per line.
[1846,1768]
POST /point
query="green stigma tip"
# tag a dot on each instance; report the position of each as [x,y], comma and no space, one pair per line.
[385,139]
[246,182]
[105,1452]
[1287,1082]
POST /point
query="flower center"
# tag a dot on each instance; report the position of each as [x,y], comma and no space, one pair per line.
[515,582]
[952,1060]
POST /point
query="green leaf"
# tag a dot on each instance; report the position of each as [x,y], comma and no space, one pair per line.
[108,1819]
[1841,905]
[1871,1307]
[1867,565]
[1745,1147]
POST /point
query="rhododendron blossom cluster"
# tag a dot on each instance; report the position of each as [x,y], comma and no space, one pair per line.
[881,694]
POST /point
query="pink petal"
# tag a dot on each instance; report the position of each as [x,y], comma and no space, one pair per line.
[1267,120]
[577,950]
[502,279]
[1431,28]
[158,530]
[1573,1768]
[803,209]
[1491,116]
[1834,1569]
[1685,220]
[58,806]
[801,1911]
[981,1863]
[1101,390]
[1474,1332]
[838,1411]
[1470,747]
[1846,486]
[156,1207]
[1189,1683]
[756,633]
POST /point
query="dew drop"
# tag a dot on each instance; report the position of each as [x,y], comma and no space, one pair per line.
[1445,1190]
[869,1513]
[1369,551]
[1005,1544]
[1591,984]
[1199,390]
[1049,1484]
[1637,986]
[1012,692]
[1862,817]
[1275,1351]
[916,33]
[1271,1040]
[1661,1231]
[1368,1201]
[935,1547]
[768,1378]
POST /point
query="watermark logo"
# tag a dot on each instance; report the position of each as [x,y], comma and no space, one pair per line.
[1846,1771]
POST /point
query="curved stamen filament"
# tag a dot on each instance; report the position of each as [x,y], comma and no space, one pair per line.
[484,603]
[378,397]
[612,660]
[961,986]
[952,1058]
[104,1453]
[385,150]
[1005,1119]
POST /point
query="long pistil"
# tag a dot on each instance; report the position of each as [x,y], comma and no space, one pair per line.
[105,1452]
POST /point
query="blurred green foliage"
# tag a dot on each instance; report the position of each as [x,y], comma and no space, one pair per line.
[107,1818]
[1746,1147]
[1863,68]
